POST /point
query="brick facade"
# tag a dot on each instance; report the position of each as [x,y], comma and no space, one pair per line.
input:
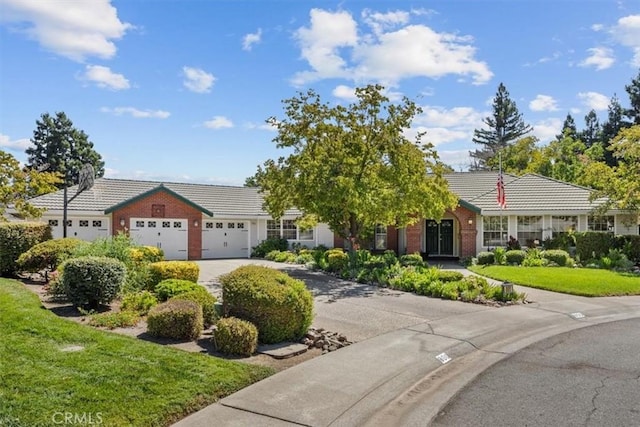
[173,208]
[467,232]
[392,238]
[414,237]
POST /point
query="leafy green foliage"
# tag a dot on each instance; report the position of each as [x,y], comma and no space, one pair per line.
[414,259]
[515,257]
[337,260]
[592,245]
[351,166]
[112,320]
[235,336]
[280,306]
[630,246]
[177,319]
[146,254]
[500,255]
[557,256]
[18,185]
[205,300]
[184,270]
[17,238]
[169,288]
[139,302]
[615,260]
[91,281]
[449,276]
[48,254]
[485,258]
[269,245]
[534,258]
[62,149]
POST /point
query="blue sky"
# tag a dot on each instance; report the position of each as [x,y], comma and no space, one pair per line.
[180,90]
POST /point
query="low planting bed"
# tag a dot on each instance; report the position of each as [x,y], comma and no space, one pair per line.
[52,365]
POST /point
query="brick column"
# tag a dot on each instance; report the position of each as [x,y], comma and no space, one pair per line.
[414,237]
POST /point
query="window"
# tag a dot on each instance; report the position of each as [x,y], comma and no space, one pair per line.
[53,222]
[530,230]
[96,223]
[218,225]
[241,225]
[288,231]
[177,224]
[494,230]
[563,224]
[151,224]
[166,224]
[606,223]
[140,224]
[381,237]
[83,223]
[231,225]
[69,223]
[208,225]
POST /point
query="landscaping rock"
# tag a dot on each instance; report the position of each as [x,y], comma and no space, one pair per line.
[325,340]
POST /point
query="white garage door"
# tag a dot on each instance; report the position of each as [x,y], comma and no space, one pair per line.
[168,234]
[225,239]
[87,229]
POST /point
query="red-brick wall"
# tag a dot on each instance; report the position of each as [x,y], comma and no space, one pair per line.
[173,208]
[468,232]
[414,237]
[392,238]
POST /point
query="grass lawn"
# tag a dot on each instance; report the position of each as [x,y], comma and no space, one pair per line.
[577,281]
[119,380]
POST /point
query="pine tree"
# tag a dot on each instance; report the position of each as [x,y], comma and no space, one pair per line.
[591,134]
[505,126]
[615,122]
[568,128]
[633,90]
[59,147]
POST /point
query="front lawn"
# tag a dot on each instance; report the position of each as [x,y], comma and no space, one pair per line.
[577,281]
[111,379]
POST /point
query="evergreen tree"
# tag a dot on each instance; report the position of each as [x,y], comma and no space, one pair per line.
[615,122]
[591,134]
[59,147]
[633,90]
[568,128]
[505,126]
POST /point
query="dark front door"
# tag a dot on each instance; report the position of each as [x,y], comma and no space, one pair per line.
[440,237]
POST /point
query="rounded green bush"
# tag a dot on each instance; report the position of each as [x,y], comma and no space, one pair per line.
[486,258]
[337,260]
[235,336]
[449,291]
[171,287]
[162,270]
[48,254]
[414,259]
[449,276]
[558,256]
[515,256]
[176,319]
[91,281]
[206,301]
[139,302]
[17,238]
[280,306]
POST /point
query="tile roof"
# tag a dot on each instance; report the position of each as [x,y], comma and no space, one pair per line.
[469,185]
[107,193]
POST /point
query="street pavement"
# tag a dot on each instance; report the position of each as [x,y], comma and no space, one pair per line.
[394,374]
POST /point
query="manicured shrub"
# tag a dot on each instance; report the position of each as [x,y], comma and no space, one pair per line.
[206,301]
[414,259]
[139,302]
[557,256]
[271,256]
[48,254]
[591,245]
[390,257]
[449,276]
[280,306]
[235,336]
[118,247]
[91,281]
[17,238]
[499,255]
[143,254]
[171,287]
[486,258]
[181,320]
[304,258]
[285,257]
[337,260]
[630,246]
[615,260]
[475,282]
[449,291]
[269,245]
[515,256]
[184,270]
[112,320]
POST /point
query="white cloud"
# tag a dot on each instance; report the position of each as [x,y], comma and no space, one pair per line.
[459,160]
[75,30]
[105,78]
[546,130]
[136,113]
[444,125]
[627,33]
[260,126]
[543,103]
[218,122]
[345,92]
[197,80]
[250,39]
[594,100]
[600,57]
[333,49]
[15,144]
[597,27]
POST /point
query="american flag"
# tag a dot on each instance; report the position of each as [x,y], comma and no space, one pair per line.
[501,198]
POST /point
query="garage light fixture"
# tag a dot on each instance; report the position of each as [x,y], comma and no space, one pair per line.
[195,222]
[121,222]
[470,221]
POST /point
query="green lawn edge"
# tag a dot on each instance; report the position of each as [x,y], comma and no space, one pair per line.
[122,380]
[575,281]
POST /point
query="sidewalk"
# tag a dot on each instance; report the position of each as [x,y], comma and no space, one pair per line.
[393,371]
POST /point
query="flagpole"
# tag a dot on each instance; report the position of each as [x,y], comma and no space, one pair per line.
[502,183]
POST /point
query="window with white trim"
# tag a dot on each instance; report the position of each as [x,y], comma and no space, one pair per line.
[494,231]
[530,230]
[380,242]
[287,229]
[273,229]
[605,223]
[563,224]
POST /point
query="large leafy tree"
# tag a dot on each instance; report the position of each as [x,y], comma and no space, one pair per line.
[60,147]
[353,167]
[504,127]
[18,185]
[523,156]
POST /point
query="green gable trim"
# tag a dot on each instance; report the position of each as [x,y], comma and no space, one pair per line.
[472,208]
[160,187]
